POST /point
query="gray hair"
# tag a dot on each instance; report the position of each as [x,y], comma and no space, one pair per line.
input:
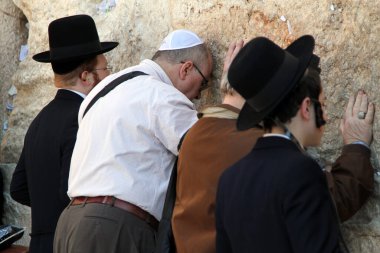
[198,54]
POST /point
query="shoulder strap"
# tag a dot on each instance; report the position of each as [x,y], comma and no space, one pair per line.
[111,86]
[171,192]
[165,240]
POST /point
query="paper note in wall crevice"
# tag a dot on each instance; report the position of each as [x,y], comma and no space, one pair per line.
[23,52]
[106,6]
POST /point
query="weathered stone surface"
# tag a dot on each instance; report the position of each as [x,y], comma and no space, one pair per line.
[13,35]
[346,32]
[15,213]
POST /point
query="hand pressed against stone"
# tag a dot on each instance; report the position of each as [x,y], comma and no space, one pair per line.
[233,49]
[357,123]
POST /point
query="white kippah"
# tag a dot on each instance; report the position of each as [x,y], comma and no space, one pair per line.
[180,39]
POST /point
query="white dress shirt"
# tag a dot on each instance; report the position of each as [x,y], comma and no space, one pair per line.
[127,142]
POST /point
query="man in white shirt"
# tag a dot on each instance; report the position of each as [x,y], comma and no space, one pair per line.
[126,147]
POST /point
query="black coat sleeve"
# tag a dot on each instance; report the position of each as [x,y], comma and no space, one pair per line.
[19,184]
[67,147]
[310,217]
[351,180]
[223,244]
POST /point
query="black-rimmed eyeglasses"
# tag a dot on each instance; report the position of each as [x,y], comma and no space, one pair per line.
[109,68]
[204,83]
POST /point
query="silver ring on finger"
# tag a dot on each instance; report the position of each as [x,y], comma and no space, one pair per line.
[361,115]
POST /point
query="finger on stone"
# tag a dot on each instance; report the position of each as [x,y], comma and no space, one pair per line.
[358,101]
[228,58]
[341,126]
[370,113]
[349,107]
[364,103]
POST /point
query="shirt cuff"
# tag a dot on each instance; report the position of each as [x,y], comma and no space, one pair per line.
[361,143]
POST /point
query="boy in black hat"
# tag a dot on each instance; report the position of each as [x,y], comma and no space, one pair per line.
[41,174]
[276,198]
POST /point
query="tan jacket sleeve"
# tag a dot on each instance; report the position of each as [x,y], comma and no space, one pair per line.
[351,180]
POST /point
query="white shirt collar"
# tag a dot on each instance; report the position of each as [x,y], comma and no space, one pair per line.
[276,135]
[152,68]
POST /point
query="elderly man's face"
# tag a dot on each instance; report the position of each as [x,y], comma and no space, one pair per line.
[198,79]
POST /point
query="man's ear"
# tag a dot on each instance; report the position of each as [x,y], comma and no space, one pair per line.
[87,78]
[306,108]
[90,79]
[185,69]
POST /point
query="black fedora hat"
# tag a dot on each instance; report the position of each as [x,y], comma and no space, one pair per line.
[264,73]
[73,38]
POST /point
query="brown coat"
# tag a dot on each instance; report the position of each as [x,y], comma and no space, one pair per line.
[212,145]
[350,180]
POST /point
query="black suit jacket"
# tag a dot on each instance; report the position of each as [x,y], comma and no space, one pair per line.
[275,200]
[41,175]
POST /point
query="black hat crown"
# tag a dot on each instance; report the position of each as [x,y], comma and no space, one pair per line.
[73,38]
[264,73]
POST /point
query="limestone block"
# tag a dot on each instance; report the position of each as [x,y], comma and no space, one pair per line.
[13,35]
[15,213]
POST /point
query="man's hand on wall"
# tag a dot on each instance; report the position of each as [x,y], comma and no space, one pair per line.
[357,123]
[233,50]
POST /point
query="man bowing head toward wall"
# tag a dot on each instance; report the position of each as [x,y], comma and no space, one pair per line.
[126,147]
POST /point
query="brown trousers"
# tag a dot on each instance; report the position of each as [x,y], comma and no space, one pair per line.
[98,228]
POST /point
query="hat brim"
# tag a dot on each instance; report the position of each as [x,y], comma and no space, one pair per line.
[301,48]
[104,47]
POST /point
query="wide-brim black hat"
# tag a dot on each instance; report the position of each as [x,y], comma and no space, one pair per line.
[73,38]
[264,73]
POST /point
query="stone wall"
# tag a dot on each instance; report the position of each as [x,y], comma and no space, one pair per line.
[347,34]
[13,35]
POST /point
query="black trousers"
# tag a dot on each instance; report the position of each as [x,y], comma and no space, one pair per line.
[99,228]
[42,243]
